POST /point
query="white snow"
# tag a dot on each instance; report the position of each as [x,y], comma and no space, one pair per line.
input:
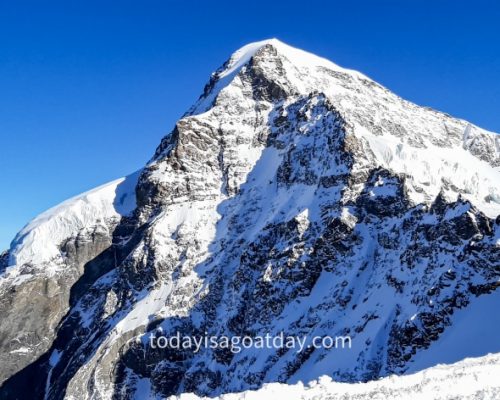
[144,310]
[473,378]
[21,350]
[300,58]
[38,241]
[243,55]
[428,168]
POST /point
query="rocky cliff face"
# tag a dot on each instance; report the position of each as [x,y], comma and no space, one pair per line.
[295,196]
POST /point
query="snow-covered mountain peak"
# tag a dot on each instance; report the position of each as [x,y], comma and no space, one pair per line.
[296,65]
[297,57]
[296,197]
[432,150]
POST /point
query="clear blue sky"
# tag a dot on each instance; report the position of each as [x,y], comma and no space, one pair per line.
[88,88]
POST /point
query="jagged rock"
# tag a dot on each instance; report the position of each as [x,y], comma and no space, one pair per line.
[295,196]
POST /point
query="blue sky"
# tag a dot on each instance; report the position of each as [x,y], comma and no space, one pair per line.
[87,89]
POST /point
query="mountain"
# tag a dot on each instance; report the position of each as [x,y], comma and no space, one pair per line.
[295,197]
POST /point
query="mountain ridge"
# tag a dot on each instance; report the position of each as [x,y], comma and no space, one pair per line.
[292,196]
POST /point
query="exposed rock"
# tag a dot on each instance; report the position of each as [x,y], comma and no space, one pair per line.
[294,197]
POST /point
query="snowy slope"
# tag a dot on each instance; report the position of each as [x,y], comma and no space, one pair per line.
[38,241]
[469,379]
[473,333]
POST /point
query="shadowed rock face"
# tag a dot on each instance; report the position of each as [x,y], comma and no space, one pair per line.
[31,311]
[272,207]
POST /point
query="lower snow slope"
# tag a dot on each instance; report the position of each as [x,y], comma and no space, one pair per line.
[473,378]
